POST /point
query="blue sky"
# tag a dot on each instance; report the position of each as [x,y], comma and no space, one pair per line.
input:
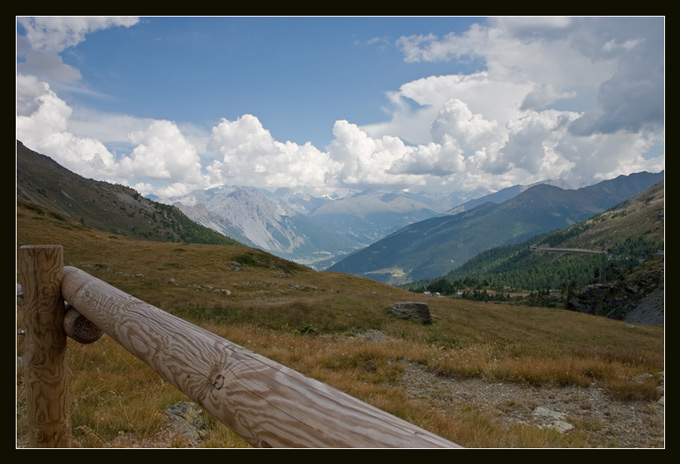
[297,75]
[172,104]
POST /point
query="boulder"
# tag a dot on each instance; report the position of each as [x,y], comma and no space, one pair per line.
[417,312]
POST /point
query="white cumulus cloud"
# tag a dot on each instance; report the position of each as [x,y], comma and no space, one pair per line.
[245,152]
[42,125]
[162,152]
[366,161]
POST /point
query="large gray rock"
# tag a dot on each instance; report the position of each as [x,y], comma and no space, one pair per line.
[417,312]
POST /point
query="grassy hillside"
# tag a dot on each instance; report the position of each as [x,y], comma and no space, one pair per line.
[624,237]
[109,207]
[335,328]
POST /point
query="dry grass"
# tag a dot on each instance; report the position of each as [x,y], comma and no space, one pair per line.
[332,327]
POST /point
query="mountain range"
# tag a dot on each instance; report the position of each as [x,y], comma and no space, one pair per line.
[419,241]
[319,231]
[335,328]
[611,264]
[316,231]
[435,246]
[629,232]
[505,195]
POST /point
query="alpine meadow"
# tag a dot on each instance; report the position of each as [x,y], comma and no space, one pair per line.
[483,374]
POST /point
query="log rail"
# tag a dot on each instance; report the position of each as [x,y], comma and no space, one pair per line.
[266,403]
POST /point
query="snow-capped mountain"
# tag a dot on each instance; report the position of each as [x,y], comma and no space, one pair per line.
[302,202]
[317,231]
[249,216]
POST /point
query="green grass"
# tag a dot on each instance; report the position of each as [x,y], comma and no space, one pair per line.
[310,321]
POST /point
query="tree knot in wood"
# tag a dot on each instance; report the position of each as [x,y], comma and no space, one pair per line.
[218,381]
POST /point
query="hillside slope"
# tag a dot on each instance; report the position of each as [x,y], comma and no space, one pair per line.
[436,246]
[610,265]
[108,207]
[503,195]
[633,228]
[477,375]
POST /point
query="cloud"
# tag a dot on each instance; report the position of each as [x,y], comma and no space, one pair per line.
[457,121]
[244,152]
[107,127]
[532,143]
[531,25]
[511,119]
[45,37]
[364,161]
[542,96]
[56,33]
[43,63]
[618,60]
[466,151]
[604,156]
[430,161]
[41,124]
[632,100]
[574,98]
[518,50]
[161,151]
[492,99]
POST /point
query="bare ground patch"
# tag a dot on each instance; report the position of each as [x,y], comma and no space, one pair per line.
[606,422]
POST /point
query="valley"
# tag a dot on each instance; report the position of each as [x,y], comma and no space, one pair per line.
[482,374]
[436,246]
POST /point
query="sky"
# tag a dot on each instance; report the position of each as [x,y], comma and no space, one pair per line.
[169,105]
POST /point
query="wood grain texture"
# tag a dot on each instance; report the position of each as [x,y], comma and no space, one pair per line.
[44,358]
[266,403]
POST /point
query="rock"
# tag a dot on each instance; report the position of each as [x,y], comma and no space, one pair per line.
[640,299]
[555,419]
[186,420]
[417,312]
[561,426]
[547,412]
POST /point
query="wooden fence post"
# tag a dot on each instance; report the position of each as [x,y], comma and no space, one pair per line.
[41,273]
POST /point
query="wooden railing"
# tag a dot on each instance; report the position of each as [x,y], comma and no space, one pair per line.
[266,403]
